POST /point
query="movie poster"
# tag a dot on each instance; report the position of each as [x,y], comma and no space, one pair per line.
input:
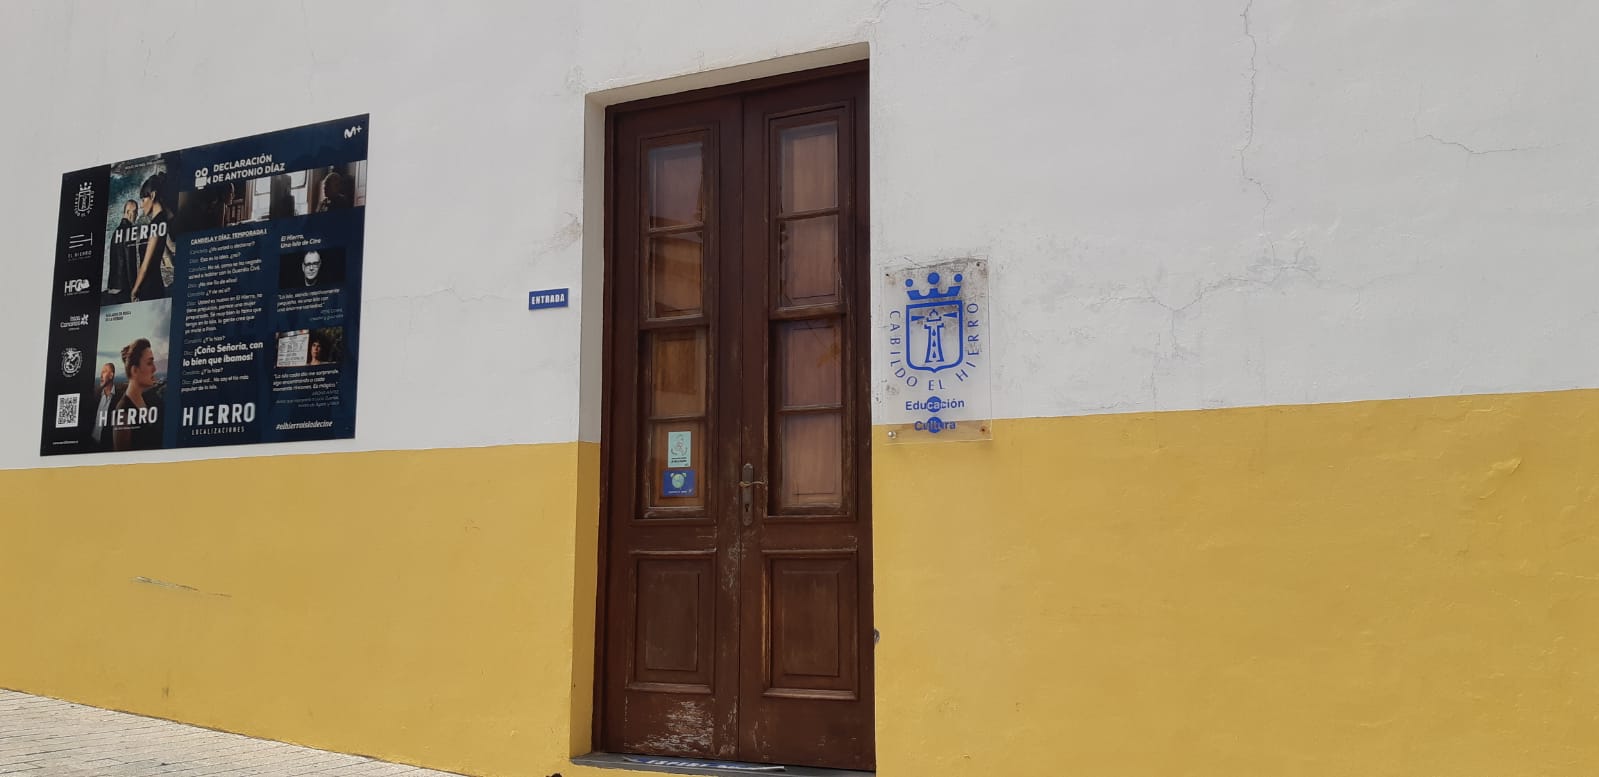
[209,296]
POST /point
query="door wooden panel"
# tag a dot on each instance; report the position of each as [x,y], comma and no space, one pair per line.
[736,618]
[676,628]
[812,633]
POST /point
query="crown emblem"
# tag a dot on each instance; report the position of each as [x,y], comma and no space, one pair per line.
[83,202]
[933,292]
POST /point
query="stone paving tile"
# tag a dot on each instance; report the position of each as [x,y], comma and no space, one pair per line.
[41,737]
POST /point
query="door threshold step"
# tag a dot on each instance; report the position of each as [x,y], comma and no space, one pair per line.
[705,766]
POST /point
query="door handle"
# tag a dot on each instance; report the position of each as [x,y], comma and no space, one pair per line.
[746,488]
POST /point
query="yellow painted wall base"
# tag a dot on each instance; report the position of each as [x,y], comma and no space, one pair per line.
[416,606]
[1378,588]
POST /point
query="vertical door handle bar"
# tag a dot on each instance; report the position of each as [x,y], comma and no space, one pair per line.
[746,487]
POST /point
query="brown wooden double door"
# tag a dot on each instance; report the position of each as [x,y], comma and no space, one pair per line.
[737,608]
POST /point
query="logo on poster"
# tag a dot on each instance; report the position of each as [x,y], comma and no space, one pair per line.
[202,177]
[75,322]
[210,415]
[83,202]
[71,362]
[75,286]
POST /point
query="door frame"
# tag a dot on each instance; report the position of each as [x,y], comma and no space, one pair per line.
[607,379]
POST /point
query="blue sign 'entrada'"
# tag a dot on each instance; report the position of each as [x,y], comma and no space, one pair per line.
[547,298]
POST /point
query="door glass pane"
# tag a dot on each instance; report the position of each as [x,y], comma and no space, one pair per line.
[677,373]
[811,459]
[674,275]
[810,167]
[674,468]
[809,358]
[677,191]
[809,251]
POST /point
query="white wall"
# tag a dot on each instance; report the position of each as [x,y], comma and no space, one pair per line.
[1186,205]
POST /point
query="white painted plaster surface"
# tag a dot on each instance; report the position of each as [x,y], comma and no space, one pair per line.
[1186,205]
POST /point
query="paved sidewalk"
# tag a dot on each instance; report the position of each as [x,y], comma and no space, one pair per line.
[42,737]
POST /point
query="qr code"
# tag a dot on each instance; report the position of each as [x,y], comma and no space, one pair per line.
[66,411]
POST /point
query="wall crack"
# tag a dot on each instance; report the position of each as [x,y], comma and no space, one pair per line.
[1249,131]
[177,586]
[1475,151]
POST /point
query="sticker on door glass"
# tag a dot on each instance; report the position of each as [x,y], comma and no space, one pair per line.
[677,482]
[679,449]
